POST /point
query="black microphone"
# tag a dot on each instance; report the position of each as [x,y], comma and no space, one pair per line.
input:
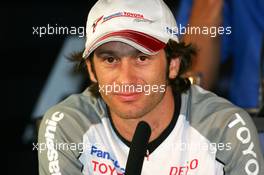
[138,149]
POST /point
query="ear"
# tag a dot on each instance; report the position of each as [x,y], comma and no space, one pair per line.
[90,71]
[174,67]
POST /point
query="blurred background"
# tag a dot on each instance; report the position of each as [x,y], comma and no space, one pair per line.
[38,73]
[27,63]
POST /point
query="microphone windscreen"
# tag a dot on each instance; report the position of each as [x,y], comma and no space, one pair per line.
[138,149]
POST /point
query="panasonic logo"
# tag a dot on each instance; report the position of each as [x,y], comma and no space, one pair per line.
[105,155]
[243,135]
[52,153]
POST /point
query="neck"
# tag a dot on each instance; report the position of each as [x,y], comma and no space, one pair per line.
[158,119]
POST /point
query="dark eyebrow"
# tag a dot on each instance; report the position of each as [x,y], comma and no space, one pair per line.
[104,52]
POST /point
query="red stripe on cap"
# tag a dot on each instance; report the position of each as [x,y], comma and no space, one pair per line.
[150,43]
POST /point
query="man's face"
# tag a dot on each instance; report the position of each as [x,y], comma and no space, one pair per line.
[126,78]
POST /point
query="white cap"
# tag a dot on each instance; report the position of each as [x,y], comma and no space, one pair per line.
[147,25]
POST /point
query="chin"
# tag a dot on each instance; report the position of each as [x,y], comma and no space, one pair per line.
[131,113]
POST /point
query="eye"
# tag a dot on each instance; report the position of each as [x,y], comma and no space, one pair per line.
[142,58]
[111,60]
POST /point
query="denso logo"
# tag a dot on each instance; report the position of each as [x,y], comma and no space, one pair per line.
[184,169]
[104,167]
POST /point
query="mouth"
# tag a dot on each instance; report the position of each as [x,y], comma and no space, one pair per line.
[128,97]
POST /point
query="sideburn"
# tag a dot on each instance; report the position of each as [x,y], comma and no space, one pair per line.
[94,88]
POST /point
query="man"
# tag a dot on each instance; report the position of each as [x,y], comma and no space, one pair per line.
[136,61]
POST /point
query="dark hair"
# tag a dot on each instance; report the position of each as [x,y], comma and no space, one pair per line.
[180,84]
[185,52]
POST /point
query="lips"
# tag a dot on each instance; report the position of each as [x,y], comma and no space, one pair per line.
[127,97]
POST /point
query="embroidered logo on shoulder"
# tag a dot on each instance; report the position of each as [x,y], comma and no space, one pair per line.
[52,153]
[243,135]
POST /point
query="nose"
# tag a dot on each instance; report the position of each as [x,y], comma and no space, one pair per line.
[126,74]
